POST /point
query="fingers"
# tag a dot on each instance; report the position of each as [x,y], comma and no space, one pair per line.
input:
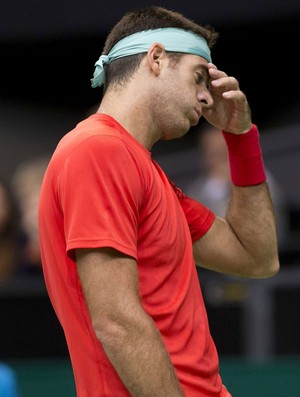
[225,83]
[221,81]
[230,109]
[236,95]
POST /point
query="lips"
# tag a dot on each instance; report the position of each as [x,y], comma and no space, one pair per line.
[198,111]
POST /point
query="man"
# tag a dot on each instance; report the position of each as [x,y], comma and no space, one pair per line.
[119,241]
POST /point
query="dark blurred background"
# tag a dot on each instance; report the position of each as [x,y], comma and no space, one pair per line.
[48,49]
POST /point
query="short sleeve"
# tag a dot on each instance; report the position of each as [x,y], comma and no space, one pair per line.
[100,191]
[199,217]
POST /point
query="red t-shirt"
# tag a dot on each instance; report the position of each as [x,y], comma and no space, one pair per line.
[102,189]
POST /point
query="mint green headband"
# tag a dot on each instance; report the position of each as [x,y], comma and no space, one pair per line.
[173,39]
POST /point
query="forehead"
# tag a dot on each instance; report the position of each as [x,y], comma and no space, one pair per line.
[195,62]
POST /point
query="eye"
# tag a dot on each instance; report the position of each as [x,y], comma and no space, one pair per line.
[199,78]
[202,78]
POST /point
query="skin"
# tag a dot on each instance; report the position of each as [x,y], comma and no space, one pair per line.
[243,244]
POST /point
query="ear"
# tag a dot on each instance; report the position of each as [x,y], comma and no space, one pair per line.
[155,56]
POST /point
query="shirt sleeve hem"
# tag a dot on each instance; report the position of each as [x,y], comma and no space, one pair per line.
[81,243]
[205,226]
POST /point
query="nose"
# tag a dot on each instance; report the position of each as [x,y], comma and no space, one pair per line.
[204,97]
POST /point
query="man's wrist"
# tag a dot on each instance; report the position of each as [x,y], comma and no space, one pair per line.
[245,158]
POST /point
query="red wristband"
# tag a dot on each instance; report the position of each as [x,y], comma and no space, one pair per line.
[245,158]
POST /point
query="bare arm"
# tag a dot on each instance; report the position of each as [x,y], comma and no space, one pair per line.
[128,335]
[244,243]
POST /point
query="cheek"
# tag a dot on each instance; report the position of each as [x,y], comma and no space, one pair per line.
[175,102]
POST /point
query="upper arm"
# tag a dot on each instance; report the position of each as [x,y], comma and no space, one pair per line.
[110,285]
[220,249]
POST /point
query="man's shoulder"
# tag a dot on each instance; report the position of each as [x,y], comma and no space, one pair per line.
[91,134]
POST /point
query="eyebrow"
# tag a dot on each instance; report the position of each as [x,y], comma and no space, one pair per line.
[201,66]
[203,69]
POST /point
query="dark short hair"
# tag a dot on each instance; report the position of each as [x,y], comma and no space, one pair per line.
[120,70]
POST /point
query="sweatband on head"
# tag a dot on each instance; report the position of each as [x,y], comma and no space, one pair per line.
[173,39]
[245,158]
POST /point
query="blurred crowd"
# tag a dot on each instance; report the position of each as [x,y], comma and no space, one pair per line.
[19,244]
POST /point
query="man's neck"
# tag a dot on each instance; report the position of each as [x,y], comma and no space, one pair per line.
[128,107]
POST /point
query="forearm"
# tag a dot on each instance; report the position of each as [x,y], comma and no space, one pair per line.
[244,243]
[137,352]
[251,217]
[250,213]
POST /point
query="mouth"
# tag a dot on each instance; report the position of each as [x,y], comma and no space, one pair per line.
[199,113]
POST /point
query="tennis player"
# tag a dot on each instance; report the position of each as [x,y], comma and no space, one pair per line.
[119,241]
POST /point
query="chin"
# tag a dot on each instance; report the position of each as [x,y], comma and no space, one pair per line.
[194,122]
[177,130]
[175,135]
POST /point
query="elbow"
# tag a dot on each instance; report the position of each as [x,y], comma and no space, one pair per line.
[108,332]
[271,270]
[266,268]
[275,267]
